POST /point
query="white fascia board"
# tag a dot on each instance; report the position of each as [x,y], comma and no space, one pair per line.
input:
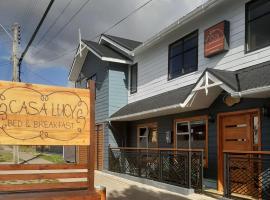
[180,22]
[108,58]
[115,60]
[251,91]
[145,112]
[116,45]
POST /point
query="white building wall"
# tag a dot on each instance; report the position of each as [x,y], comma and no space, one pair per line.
[153,62]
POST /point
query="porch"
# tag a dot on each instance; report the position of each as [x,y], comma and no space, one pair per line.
[246,173]
[180,167]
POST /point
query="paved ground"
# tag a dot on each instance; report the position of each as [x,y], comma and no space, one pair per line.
[122,189]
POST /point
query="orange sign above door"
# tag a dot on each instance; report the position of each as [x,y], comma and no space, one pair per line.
[43,115]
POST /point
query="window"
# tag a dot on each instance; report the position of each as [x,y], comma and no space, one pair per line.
[192,133]
[183,56]
[147,136]
[133,78]
[257,24]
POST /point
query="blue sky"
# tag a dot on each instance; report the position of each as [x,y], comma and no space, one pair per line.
[44,63]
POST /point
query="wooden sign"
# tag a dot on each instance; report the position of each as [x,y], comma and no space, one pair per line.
[43,115]
[216,39]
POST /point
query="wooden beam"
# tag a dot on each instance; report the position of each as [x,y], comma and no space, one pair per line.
[91,155]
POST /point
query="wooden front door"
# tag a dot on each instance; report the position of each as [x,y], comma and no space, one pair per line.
[236,133]
[99,147]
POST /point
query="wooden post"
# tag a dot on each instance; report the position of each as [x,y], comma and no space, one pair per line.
[91,155]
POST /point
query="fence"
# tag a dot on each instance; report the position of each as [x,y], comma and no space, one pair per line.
[247,174]
[178,167]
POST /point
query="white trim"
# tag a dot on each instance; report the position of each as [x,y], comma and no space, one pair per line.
[190,97]
[109,59]
[116,60]
[103,37]
[145,112]
[180,22]
[209,86]
[251,91]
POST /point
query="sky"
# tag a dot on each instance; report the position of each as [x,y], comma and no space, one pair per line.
[49,59]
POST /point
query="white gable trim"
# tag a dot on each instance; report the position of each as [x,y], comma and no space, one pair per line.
[109,59]
[203,84]
[103,37]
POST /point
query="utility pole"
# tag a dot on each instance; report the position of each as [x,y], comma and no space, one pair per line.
[15,76]
[15,60]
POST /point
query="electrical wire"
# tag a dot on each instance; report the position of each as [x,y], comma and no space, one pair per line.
[73,50]
[108,29]
[53,23]
[40,77]
[63,27]
[123,19]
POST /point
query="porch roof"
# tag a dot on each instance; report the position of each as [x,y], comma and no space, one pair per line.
[251,82]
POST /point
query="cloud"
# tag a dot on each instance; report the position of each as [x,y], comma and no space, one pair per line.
[93,19]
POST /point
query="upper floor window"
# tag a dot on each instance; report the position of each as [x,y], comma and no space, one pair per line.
[133,78]
[257,24]
[183,56]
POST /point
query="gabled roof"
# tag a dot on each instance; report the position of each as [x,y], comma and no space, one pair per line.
[105,52]
[126,43]
[252,82]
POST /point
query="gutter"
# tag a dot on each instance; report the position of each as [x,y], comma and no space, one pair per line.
[180,22]
[183,105]
[175,106]
[251,91]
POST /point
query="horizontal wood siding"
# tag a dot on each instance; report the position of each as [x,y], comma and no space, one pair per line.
[153,62]
[165,123]
[91,66]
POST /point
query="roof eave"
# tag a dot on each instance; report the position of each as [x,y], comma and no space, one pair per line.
[108,59]
[120,47]
[180,22]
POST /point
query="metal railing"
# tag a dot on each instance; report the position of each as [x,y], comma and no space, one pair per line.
[180,167]
[247,174]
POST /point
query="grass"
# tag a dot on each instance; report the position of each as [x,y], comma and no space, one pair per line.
[20,182]
[6,156]
[54,158]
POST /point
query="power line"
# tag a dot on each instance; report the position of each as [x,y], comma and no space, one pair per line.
[123,19]
[53,23]
[41,77]
[34,34]
[108,29]
[64,26]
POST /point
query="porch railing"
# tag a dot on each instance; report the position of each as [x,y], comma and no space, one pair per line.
[180,167]
[247,174]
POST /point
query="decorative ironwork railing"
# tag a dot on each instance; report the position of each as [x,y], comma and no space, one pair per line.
[180,167]
[247,174]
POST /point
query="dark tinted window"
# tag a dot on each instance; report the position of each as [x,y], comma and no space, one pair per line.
[183,56]
[257,24]
[133,78]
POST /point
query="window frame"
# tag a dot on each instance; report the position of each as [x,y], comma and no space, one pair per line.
[189,120]
[246,28]
[177,41]
[131,80]
[147,125]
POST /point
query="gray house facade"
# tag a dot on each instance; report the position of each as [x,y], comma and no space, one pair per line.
[198,102]
[108,66]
